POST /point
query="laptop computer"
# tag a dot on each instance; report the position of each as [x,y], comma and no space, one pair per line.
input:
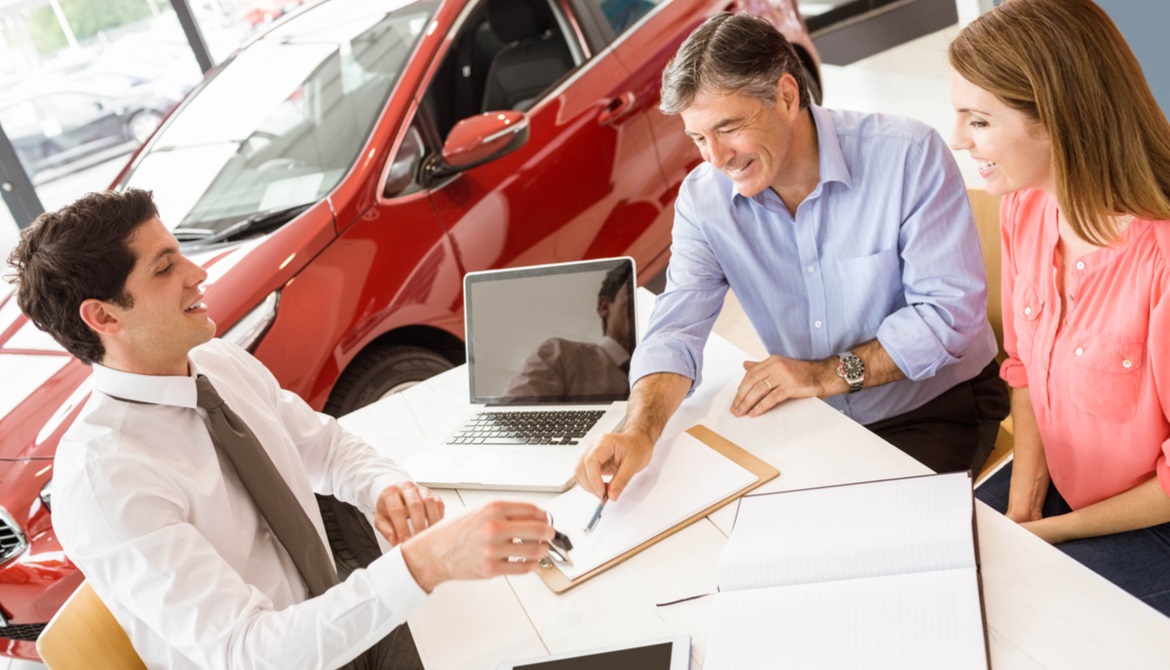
[548,351]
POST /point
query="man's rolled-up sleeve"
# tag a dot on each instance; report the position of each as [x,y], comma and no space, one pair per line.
[943,276]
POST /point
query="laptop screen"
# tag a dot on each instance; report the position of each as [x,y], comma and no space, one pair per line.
[559,333]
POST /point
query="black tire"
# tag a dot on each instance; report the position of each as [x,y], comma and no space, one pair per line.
[373,374]
[351,538]
[381,371]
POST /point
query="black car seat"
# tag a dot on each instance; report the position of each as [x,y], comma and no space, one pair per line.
[534,56]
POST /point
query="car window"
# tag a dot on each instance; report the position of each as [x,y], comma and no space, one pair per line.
[621,15]
[282,122]
[72,109]
[497,67]
[463,86]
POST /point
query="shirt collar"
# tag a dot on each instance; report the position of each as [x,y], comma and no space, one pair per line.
[151,389]
[616,352]
[833,166]
[832,162]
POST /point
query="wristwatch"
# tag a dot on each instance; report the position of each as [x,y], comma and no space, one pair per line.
[852,370]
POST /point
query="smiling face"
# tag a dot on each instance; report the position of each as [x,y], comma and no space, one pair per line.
[1013,151]
[167,316]
[750,140]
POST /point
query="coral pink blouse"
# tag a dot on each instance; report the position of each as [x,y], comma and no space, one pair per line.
[1100,382]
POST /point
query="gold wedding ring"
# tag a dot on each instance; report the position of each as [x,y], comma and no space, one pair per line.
[765,380]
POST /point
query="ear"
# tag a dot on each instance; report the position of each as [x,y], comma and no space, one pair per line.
[788,95]
[100,317]
[602,307]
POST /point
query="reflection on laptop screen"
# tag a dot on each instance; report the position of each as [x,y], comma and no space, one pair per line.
[551,333]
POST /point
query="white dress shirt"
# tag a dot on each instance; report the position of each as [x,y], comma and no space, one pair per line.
[171,541]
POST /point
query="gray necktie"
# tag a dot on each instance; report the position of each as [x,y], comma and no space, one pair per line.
[277,504]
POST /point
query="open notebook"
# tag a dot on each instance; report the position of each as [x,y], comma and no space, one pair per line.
[873,575]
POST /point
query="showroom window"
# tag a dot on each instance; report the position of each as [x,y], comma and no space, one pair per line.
[83,83]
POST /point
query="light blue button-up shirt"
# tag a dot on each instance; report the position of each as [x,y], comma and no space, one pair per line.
[884,247]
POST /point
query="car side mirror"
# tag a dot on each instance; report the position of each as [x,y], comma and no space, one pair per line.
[480,139]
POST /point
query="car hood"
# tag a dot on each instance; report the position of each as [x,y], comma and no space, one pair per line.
[44,386]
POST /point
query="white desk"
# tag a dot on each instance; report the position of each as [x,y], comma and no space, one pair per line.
[1044,610]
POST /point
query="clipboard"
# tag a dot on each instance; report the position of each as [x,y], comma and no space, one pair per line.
[559,583]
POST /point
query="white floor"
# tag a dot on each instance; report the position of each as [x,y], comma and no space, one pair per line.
[911,80]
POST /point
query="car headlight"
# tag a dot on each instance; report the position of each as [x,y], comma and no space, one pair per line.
[47,494]
[249,329]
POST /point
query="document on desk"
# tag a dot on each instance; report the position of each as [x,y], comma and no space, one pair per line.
[684,477]
[879,574]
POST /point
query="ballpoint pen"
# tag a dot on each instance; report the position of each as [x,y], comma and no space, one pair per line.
[597,514]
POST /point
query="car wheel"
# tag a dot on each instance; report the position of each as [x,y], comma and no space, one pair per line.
[380,372]
[142,124]
[375,374]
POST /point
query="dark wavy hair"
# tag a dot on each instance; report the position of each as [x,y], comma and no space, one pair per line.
[614,280]
[79,252]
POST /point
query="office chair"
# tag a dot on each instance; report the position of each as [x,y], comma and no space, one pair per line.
[83,634]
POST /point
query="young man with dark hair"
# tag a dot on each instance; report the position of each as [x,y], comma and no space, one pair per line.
[184,489]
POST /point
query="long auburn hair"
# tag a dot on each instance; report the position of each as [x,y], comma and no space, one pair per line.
[1065,64]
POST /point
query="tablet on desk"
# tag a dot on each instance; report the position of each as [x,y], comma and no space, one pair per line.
[668,653]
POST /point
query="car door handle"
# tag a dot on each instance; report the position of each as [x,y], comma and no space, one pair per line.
[616,109]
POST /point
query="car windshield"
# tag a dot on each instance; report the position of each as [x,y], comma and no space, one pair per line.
[283,121]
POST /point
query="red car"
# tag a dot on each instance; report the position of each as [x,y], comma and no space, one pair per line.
[324,178]
[269,10]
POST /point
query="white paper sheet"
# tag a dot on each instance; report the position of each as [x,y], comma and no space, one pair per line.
[845,532]
[927,620]
[684,477]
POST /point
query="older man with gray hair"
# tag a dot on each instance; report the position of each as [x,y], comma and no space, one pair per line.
[849,241]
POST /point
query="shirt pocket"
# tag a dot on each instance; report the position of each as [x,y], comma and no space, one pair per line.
[870,289]
[1105,376]
[1028,306]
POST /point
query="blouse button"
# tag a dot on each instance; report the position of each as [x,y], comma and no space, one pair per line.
[1027,311]
[1080,265]
[1080,351]
[1127,364]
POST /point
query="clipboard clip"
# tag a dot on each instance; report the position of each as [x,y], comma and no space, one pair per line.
[560,545]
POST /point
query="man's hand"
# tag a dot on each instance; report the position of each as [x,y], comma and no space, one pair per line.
[652,400]
[622,455]
[406,502]
[480,544]
[775,379]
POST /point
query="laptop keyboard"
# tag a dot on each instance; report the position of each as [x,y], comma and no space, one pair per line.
[535,427]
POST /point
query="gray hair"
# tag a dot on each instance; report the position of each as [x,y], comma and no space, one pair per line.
[740,53]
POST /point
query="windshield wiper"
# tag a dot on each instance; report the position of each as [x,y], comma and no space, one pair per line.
[257,223]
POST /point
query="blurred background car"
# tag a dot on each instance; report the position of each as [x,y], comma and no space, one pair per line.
[63,124]
[341,173]
[267,11]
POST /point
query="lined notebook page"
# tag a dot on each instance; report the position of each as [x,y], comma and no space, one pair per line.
[922,621]
[842,532]
[684,477]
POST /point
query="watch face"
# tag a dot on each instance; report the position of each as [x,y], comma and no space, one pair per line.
[853,367]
